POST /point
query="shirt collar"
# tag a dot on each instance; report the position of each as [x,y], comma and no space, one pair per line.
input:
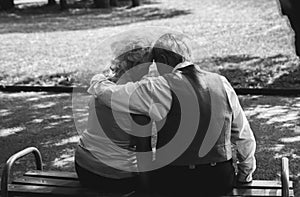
[182,65]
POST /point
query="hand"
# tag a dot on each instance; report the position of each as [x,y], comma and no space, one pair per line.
[108,73]
[240,180]
[98,78]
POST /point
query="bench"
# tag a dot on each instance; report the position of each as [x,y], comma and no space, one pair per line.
[56,183]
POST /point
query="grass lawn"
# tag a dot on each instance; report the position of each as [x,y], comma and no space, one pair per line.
[46,121]
[248,39]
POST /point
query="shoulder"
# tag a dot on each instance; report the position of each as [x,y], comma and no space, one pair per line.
[152,82]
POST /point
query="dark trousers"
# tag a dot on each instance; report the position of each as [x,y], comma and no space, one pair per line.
[204,180]
[95,181]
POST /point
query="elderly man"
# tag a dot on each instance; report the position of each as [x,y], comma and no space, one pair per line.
[198,117]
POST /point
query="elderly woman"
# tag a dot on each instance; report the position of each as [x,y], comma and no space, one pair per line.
[105,157]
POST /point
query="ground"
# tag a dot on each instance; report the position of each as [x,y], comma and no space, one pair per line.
[247,41]
[47,122]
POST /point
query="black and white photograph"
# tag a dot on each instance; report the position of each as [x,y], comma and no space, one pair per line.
[150,98]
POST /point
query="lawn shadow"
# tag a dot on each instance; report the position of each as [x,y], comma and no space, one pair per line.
[289,79]
[244,71]
[80,16]
[45,121]
[276,124]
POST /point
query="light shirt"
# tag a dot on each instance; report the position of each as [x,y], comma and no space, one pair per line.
[107,156]
[152,96]
[103,155]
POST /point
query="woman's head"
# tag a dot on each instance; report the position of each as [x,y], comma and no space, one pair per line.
[132,60]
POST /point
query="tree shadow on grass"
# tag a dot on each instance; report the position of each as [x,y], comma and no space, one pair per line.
[244,71]
[42,120]
[276,124]
[46,121]
[79,17]
[288,80]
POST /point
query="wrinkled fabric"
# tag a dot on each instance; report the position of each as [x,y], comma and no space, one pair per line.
[152,96]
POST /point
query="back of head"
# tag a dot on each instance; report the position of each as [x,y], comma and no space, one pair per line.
[129,54]
[171,49]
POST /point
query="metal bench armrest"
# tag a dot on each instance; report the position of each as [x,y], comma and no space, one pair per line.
[9,163]
[285,177]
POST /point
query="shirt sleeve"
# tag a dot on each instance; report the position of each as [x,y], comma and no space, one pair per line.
[242,136]
[151,96]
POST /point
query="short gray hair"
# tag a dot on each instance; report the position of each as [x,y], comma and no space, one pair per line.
[174,43]
[129,53]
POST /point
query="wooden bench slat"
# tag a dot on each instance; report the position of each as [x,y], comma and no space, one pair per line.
[31,190]
[52,174]
[45,183]
[258,192]
[34,190]
[42,181]
[53,181]
[261,184]
[73,175]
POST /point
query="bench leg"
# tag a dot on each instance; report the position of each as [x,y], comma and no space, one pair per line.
[12,160]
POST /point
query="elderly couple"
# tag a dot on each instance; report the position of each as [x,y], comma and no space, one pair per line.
[159,122]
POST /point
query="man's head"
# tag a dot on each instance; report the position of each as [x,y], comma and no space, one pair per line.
[170,50]
[132,59]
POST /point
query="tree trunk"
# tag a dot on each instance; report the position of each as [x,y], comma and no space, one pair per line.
[291,8]
[135,3]
[7,4]
[102,3]
[63,4]
[51,2]
[114,3]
